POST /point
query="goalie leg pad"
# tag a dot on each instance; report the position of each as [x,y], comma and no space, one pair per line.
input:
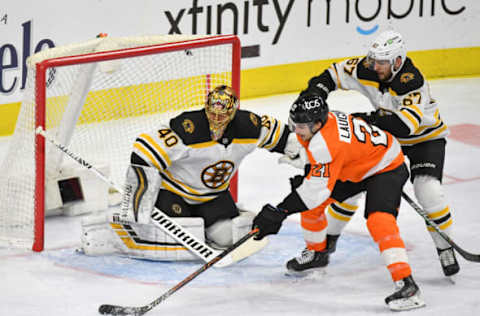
[240,226]
[102,237]
[142,185]
[224,233]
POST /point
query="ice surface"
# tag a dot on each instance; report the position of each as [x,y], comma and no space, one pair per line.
[60,281]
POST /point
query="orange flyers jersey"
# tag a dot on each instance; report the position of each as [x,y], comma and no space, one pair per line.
[346,149]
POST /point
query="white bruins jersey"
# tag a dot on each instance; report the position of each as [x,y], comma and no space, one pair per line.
[194,166]
[407,96]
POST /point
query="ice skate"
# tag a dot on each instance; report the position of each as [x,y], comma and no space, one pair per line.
[449,262]
[308,262]
[332,243]
[406,297]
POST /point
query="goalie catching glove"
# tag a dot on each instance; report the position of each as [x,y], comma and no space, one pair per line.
[269,221]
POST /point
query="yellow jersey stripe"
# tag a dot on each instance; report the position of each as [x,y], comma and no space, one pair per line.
[442,227]
[168,187]
[339,84]
[346,206]
[244,140]
[439,213]
[179,183]
[275,139]
[203,145]
[147,153]
[338,216]
[426,137]
[130,243]
[267,137]
[390,90]
[157,147]
[437,123]
[411,118]
[416,110]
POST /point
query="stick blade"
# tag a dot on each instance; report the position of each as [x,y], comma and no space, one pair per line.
[107,309]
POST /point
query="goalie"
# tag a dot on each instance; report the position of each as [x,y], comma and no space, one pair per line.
[184,169]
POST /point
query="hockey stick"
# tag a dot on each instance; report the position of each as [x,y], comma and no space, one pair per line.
[107,309]
[160,219]
[465,254]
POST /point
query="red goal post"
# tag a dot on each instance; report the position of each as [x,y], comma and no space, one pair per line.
[94,98]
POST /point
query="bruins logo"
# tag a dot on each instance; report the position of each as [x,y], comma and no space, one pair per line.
[188,126]
[368,63]
[254,119]
[406,77]
[177,209]
[217,174]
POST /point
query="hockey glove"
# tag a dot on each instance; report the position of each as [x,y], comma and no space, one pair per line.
[367,117]
[298,161]
[268,221]
[294,153]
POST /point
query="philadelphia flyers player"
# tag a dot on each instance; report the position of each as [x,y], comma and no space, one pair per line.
[404,107]
[184,168]
[347,156]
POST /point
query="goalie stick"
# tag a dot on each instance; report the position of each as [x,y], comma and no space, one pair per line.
[107,309]
[159,218]
[465,254]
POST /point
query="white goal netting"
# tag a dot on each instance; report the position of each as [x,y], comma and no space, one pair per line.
[98,108]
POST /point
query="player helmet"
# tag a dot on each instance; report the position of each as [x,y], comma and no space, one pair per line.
[221,105]
[308,109]
[388,46]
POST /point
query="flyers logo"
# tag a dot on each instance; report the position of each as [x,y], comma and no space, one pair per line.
[320,170]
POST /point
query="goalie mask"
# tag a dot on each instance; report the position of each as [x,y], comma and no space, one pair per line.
[222,103]
[387,47]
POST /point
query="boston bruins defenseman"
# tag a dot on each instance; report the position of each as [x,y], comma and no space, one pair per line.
[404,107]
[184,169]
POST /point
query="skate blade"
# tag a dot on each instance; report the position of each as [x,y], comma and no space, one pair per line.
[451,279]
[405,304]
[310,273]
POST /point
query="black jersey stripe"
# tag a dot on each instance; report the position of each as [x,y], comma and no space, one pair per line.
[415,114]
[341,210]
[152,151]
[425,132]
[174,184]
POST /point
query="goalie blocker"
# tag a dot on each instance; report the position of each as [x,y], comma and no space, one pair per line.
[129,231]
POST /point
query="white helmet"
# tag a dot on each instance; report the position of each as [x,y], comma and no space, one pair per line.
[388,46]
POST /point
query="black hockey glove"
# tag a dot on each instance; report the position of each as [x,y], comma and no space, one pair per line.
[367,117]
[268,221]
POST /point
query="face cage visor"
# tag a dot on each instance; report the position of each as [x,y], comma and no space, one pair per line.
[371,60]
[293,125]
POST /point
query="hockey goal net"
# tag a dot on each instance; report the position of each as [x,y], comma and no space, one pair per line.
[95,98]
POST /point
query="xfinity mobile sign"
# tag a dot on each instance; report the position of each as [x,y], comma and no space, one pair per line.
[272,32]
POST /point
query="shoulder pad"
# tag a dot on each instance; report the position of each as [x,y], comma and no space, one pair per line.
[246,124]
[192,127]
[407,79]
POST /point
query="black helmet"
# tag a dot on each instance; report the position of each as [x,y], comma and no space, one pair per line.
[309,108]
